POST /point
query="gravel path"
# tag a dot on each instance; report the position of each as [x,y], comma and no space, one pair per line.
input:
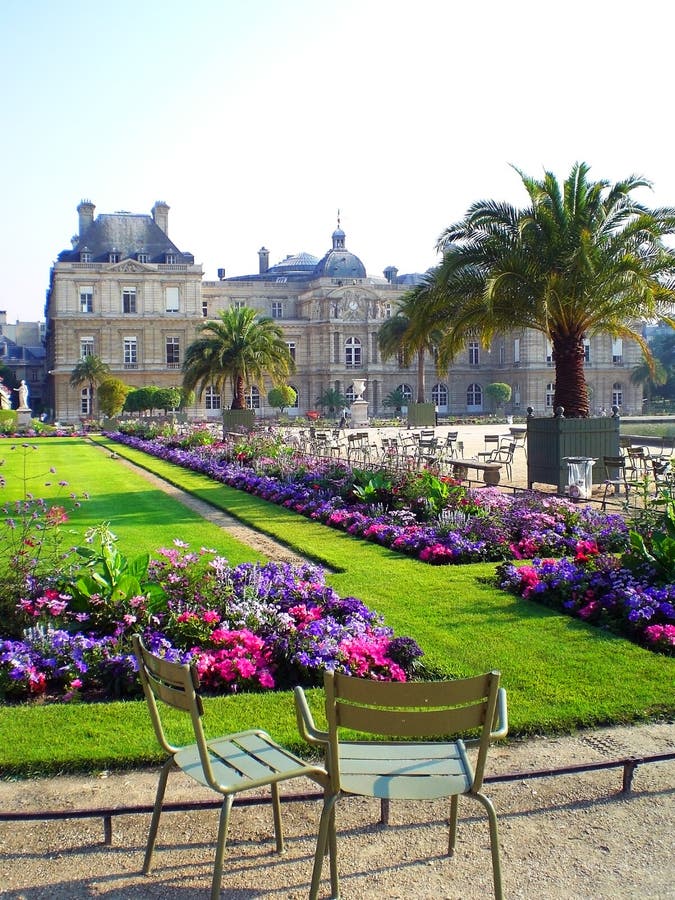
[573,836]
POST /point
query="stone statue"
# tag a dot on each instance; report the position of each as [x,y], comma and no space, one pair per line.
[22,391]
[5,396]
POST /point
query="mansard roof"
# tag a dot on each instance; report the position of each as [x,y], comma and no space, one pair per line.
[128,235]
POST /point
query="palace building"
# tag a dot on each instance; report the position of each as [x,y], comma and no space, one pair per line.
[127,294]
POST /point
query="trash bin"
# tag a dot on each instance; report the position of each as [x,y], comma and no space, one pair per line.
[579,476]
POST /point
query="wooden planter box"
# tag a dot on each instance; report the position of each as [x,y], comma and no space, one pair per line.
[550,440]
[421,414]
[238,420]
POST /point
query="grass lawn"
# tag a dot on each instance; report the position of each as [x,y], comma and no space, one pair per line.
[560,674]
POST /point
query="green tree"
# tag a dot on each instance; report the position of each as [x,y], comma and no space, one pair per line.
[411,332]
[241,348]
[331,399]
[651,375]
[581,258]
[90,370]
[111,396]
[144,399]
[168,398]
[396,399]
[499,393]
[282,396]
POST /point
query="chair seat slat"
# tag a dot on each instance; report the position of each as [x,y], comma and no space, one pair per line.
[402,788]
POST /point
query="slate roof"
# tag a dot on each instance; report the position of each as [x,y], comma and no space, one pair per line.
[128,234]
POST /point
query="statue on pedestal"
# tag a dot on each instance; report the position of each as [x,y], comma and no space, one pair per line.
[5,396]
[22,391]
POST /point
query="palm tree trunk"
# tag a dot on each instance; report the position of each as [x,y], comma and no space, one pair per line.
[420,377]
[238,400]
[570,382]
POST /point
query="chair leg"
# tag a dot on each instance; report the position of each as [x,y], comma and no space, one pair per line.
[452,837]
[278,827]
[494,844]
[220,847]
[326,838]
[156,813]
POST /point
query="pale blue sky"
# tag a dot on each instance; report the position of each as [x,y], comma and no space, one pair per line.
[256,119]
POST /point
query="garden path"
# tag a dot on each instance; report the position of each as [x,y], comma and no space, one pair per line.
[267,546]
[572,837]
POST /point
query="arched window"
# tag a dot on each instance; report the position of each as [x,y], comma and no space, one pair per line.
[296,403]
[550,395]
[439,397]
[353,353]
[85,402]
[406,392]
[253,398]
[474,398]
[617,394]
[212,398]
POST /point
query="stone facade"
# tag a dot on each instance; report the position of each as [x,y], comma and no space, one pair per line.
[127,294]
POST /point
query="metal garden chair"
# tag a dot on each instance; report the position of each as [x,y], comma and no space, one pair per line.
[429,769]
[228,765]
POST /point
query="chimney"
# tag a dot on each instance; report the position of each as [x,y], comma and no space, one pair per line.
[160,214]
[221,274]
[263,260]
[86,213]
[391,273]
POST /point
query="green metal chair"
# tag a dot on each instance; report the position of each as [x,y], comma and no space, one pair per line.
[228,765]
[405,770]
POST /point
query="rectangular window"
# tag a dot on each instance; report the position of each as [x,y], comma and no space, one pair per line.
[474,353]
[143,258]
[291,349]
[113,257]
[172,297]
[130,353]
[277,309]
[86,347]
[587,350]
[205,308]
[129,300]
[516,352]
[211,398]
[502,354]
[617,353]
[238,304]
[87,299]
[549,353]
[173,353]
[170,259]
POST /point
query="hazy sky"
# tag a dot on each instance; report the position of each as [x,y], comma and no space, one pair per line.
[255,120]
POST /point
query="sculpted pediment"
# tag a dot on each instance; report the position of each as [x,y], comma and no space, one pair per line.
[130,265]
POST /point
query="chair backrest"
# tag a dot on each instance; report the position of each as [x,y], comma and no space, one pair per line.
[424,709]
[615,467]
[175,685]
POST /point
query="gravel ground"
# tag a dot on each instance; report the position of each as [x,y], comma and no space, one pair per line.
[570,836]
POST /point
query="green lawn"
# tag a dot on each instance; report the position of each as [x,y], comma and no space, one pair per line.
[560,674]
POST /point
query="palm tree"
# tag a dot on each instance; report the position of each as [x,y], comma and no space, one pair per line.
[411,332]
[90,370]
[580,259]
[650,374]
[239,347]
[331,399]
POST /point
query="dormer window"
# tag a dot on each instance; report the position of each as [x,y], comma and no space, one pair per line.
[85,255]
[142,257]
[114,256]
[170,258]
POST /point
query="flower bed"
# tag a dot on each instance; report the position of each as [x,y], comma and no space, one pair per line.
[435,520]
[602,590]
[246,628]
